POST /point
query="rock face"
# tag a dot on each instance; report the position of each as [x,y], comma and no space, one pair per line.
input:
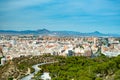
[20,67]
[10,71]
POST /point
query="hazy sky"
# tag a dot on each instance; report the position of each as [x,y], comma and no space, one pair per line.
[70,15]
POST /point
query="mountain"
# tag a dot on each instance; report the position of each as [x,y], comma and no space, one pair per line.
[40,31]
[56,33]
[43,31]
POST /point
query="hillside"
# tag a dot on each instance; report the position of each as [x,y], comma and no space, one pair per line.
[56,33]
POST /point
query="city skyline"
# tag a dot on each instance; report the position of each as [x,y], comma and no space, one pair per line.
[81,16]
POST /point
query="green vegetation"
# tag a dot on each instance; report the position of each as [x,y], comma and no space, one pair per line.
[19,67]
[37,76]
[83,68]
[10,78]
[0,60]
[67,68]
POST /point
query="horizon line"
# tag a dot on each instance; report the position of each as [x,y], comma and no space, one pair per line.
[57,30]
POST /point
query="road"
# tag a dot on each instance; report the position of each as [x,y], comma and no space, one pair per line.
[28,77]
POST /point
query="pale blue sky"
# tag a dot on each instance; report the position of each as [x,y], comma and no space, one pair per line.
[70,15]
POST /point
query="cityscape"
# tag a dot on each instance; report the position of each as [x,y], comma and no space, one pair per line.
[60,40]
[30,46]
[24,45]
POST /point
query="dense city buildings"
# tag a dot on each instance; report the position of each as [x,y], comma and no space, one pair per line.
[24,45]
[20,53]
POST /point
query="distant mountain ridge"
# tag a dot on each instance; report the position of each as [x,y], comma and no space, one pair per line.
[56,33]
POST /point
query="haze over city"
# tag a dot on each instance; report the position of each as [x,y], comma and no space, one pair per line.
[70,15]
